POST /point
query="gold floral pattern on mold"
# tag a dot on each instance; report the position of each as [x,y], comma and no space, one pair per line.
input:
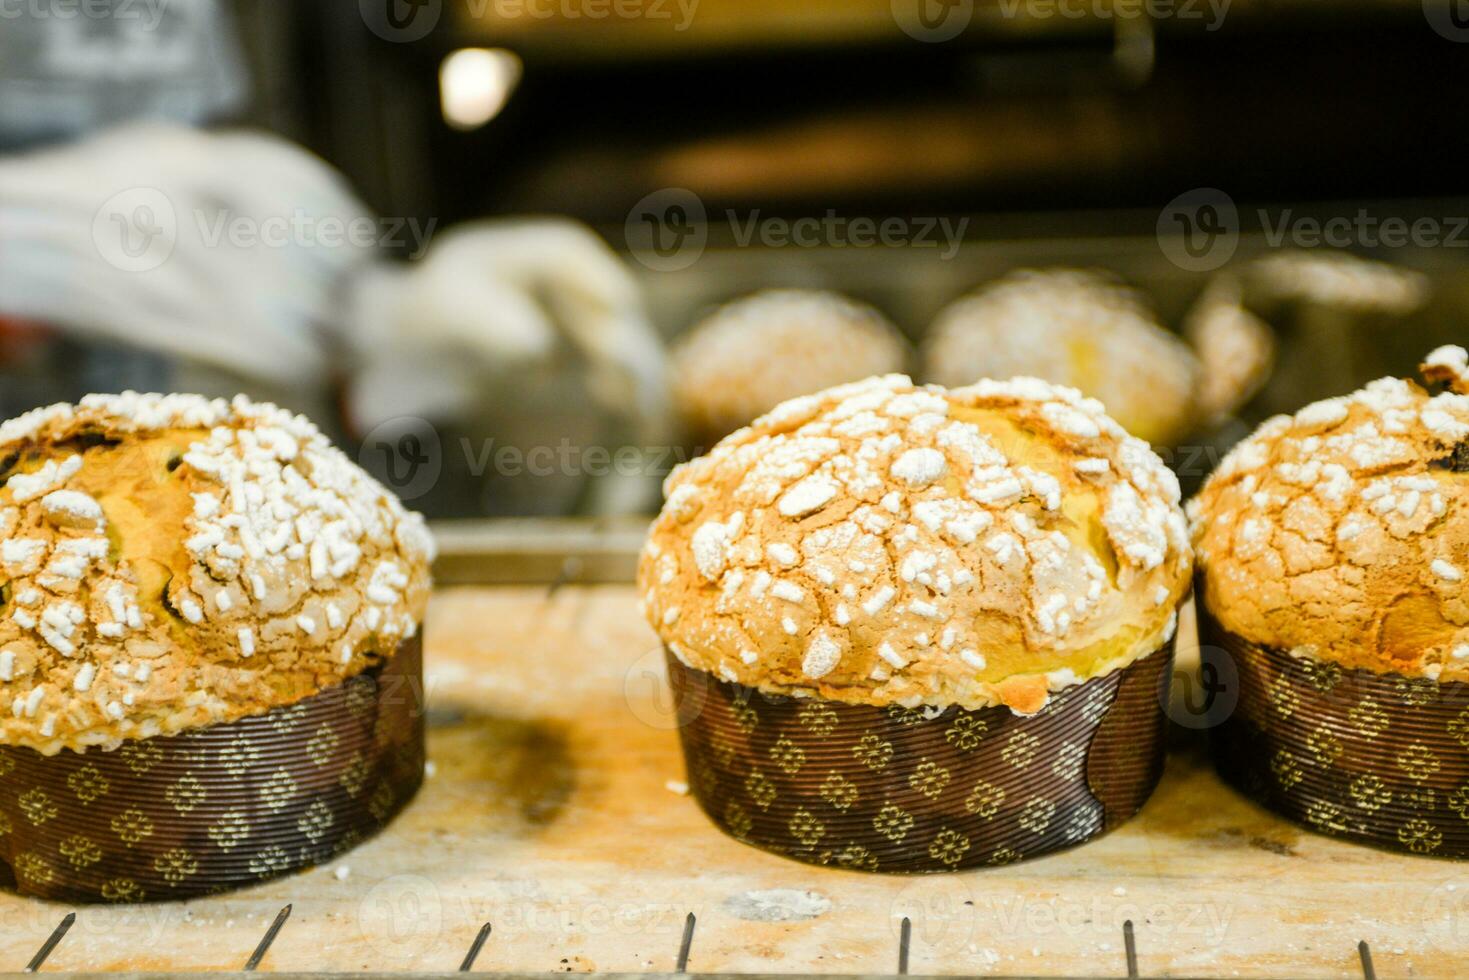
[912,789]
[1388,756]
[211,809]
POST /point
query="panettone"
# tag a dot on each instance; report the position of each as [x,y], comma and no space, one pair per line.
[1075,328]
[758,351]
[169,563]
[1340,533]
[882,543]
[1332,550]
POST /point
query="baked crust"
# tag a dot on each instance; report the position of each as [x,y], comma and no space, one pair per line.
[882,543]
[168,562]
[1074,328]
[754,353]
[1341,532]
[1340,280]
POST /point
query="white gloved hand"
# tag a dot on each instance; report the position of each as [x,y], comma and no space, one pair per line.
[503,294]
[71,219]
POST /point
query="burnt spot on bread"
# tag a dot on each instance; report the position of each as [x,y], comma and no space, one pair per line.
[7,466]
[90,439]
[1455,462]
[166,601]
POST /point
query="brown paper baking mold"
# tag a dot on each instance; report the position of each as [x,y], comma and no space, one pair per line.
[912,790]
[203,812]
[1379,759]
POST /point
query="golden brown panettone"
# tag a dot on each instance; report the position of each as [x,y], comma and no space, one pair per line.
[1338,279]
[883,543]
[1342,533]
[1075,328]
[753,353]
[168,562]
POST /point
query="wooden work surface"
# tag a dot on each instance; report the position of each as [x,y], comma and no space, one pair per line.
[548,814]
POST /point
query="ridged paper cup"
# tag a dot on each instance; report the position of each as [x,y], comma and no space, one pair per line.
[206,811]
[922,790]
[1379,759]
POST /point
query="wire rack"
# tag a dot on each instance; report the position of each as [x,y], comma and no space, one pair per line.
[553,577]
[681,961]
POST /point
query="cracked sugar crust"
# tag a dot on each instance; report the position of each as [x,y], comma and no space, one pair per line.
[882,543]
[1075,328]
[1342,533]
[168,562]
[754,353]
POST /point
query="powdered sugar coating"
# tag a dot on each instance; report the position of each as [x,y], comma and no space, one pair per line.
[884,543]
[758,351]
[1339,279]
[1073,328]
[173,562]
[1341,532]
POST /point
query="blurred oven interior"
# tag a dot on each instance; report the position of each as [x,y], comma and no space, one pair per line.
[1055,140]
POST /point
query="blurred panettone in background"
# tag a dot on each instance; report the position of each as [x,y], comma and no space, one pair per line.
[1236,347]
[758,351]
[1340,319]
[1339,279]
[1084,329]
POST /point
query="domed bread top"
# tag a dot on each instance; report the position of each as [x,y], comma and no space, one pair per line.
[754,353]
[168,562]
[1339,279]
[883,543]
[1342,532]
[1075,328]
